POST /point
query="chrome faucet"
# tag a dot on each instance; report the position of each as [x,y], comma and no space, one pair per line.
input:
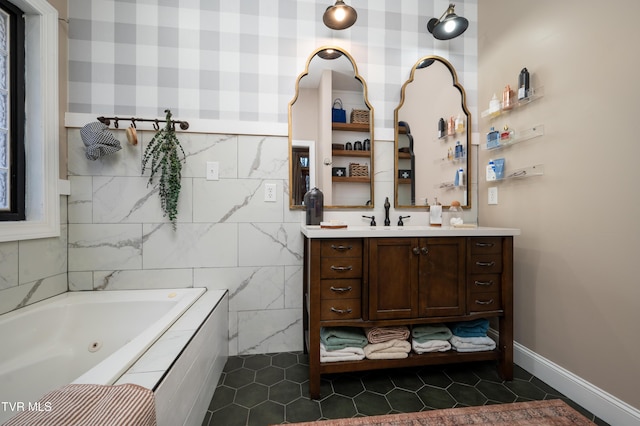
[387,205]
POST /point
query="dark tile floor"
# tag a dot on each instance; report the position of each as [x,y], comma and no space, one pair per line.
[274,388]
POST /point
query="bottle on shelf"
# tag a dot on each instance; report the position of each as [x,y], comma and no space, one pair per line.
[507,98]
[458,153]
[523,84]
[494,104]
[491,171]
[493,138]
[441,127]
[451,129]
[506,133]
[459,179]
[459,124]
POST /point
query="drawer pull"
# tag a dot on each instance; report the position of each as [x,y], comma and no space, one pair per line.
[341,247]
[341,268]
[484,302]
[341,289]
[488,264]
[484,283]
[484,244]
[341,311]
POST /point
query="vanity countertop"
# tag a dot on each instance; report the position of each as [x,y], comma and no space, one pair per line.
[359,231]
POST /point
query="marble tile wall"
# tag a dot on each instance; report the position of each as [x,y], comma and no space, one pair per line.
[227,236]
[33,270]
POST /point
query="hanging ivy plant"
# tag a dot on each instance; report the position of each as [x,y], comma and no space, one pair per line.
[164,157]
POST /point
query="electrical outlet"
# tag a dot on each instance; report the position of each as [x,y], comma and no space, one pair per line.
[270,192]
[493,195]
[213,170]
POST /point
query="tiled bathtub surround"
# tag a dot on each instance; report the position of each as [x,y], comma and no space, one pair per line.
[32,270]
[227,236]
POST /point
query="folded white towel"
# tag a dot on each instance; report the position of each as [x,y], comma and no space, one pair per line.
[430,346]
[345,354]
[472,344]
[392,349]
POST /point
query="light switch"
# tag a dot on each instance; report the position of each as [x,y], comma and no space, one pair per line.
[213,170]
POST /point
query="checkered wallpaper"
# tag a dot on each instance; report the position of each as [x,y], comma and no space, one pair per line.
[238,60]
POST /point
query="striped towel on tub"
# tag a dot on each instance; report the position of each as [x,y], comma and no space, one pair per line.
[87,404]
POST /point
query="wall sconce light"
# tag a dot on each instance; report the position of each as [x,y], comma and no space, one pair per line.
[450,27]
[339,16]
[329,54]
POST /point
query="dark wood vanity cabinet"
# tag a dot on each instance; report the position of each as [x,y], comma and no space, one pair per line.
[390,281]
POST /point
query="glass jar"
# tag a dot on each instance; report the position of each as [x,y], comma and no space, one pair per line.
[455,214]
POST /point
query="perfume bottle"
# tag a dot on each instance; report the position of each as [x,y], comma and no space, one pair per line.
[506,133]
[441,126]
[451,127]
[523,84]
[494,104]
[458,153]
[493,138]
[459,124]
[507,96]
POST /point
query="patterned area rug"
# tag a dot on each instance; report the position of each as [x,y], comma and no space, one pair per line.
[553,412]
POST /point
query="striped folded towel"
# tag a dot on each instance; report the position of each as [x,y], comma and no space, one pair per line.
[90,405]
[384,334]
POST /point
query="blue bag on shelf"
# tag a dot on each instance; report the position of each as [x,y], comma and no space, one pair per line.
[338,115]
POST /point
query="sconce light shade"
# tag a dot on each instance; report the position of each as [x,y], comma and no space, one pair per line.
[448,26]
[339,16]
[329,54]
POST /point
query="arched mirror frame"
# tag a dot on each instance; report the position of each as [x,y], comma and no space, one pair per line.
[358,77]
[463,98]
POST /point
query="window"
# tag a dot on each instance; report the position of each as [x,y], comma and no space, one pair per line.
[12,170]
[40,125]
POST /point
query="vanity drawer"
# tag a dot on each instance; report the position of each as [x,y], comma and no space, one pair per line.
[341,267]
[339,309]
[340,289]
[341,248]
[486,245]
[482,302]
[486,263]
[483,283]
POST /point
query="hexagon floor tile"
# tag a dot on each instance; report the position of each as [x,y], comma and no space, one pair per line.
[268,389]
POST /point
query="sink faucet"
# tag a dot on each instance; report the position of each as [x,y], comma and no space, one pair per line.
[387,205]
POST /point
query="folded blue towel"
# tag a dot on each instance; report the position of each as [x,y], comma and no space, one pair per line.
[335,338]
[474,328]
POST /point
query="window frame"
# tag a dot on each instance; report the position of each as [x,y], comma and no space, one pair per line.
[41,137]
[16,88]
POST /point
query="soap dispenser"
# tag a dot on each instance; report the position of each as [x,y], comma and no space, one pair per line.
[314,205]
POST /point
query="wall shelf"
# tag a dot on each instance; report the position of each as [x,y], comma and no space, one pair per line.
[350,179]
[525,135]
[525,172]
[351,127]
[350,153]
[534,95]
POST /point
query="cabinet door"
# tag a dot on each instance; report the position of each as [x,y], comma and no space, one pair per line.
[442,276]
[393,278]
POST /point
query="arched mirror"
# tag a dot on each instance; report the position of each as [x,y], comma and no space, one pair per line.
[331,133]
[432,137]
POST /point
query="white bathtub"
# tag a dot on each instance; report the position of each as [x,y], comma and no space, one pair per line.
[100,337]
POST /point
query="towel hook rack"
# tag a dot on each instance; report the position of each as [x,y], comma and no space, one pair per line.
[184,125]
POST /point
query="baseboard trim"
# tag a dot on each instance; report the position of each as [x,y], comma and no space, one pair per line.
[601,403]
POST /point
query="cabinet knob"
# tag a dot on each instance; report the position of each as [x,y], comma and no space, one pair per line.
[341,247]
[484,283]
[484,302]
[484,244]
[424,250]
[488,264]
[416,250]
[341,289]
[341,311]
